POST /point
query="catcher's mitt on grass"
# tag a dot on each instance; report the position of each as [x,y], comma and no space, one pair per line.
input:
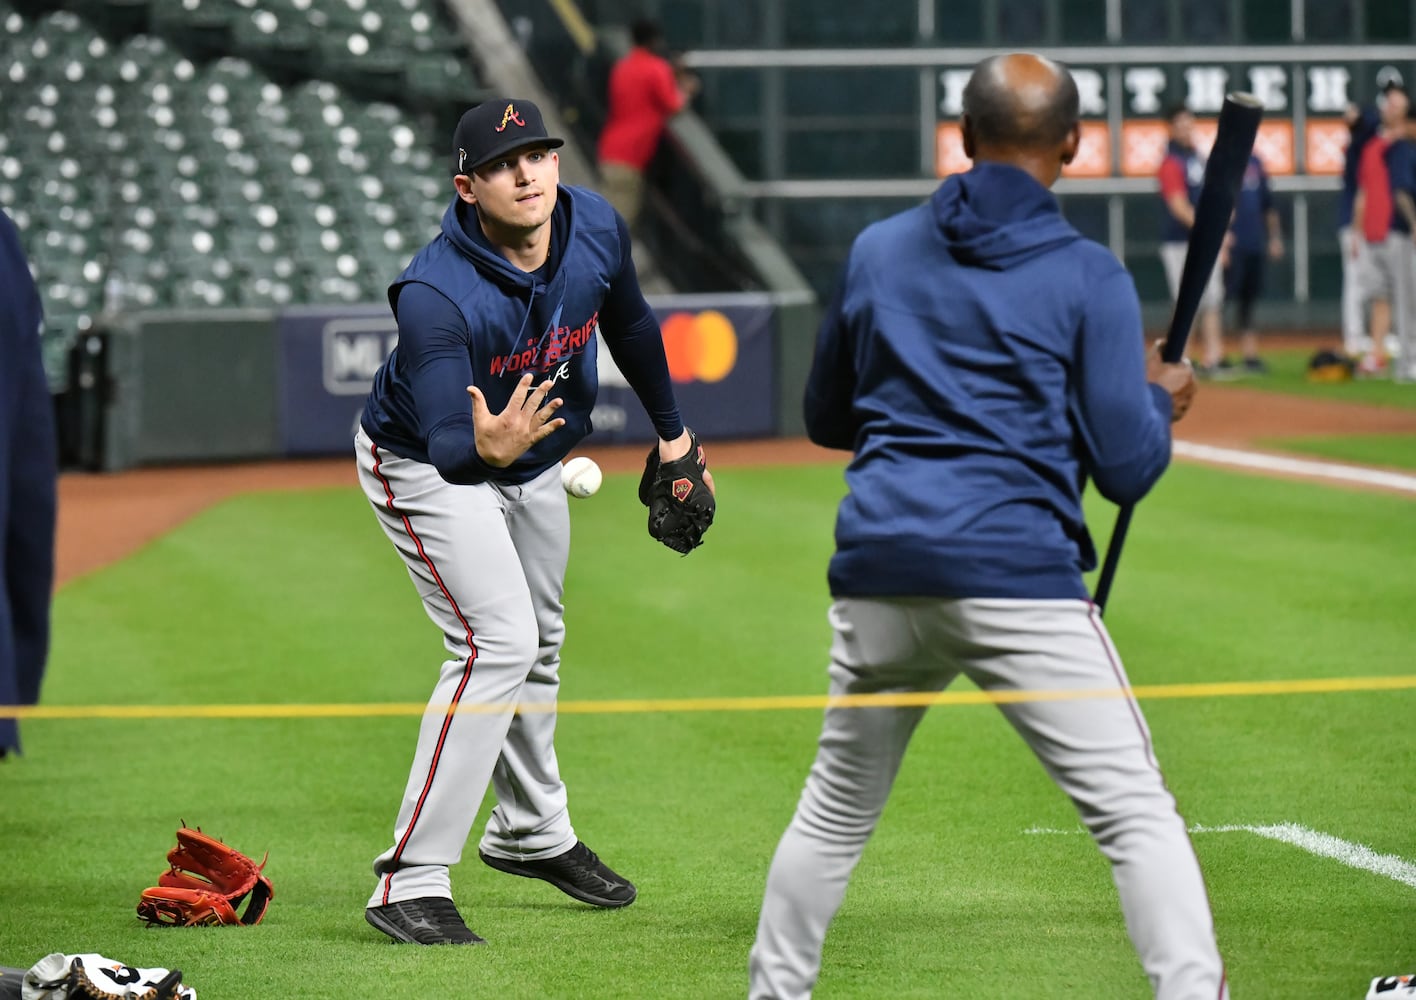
[205,885]
[680,503]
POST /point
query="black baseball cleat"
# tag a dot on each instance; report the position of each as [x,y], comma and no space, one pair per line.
[578,873]
[429,920]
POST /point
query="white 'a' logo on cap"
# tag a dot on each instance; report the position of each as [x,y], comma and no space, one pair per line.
[461,159]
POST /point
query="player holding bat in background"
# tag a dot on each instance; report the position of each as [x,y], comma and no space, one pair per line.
[979,383]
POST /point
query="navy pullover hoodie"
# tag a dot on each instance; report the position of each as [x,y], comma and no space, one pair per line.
[1362,129]
[467,316]
[982,359]
[28,469]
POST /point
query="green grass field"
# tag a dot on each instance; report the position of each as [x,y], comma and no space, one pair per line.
[297,598]
[1396,451]
[1289,375]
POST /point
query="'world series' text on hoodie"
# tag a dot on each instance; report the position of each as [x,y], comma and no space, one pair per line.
[468,316]
[981,358]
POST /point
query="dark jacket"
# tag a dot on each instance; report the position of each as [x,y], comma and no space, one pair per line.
[28,473]
[1362,130]
[468,316]
[981,358]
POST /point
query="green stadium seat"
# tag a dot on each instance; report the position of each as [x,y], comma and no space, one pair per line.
[118,17]
[234,178]
[286,44]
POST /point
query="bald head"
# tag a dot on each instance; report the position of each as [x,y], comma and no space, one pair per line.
[1021,101]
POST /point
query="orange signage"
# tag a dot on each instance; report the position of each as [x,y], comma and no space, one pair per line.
[1093,154]
[1143,145]
[1274,147]
[1326,145]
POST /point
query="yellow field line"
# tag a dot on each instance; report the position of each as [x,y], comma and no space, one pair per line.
[1228,689]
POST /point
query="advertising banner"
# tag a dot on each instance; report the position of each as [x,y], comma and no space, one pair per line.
[721,358]
[328,357]
[719,349]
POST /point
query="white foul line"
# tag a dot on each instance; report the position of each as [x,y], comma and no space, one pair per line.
[1324,845]
[1260,461]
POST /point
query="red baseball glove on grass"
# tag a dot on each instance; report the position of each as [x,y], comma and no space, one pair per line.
[206,885]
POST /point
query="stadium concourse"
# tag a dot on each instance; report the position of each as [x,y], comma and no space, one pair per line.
[104,517]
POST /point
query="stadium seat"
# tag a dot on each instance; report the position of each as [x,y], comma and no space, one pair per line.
[282,43]
[237,171]
[197,26]
[115,17]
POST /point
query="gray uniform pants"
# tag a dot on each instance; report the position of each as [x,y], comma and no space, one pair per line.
[1403,305]
[1356,338]
[1097,750]
[489,564]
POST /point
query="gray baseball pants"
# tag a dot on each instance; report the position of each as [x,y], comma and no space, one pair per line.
[1172,258]
[1097,750]
[1356,338]
[1403,305]
[488,562]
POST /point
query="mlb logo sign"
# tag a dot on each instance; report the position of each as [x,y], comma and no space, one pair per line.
[353,350]
[1393,988]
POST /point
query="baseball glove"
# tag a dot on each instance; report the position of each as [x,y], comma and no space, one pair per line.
[680,503]
[205,885]
[93,977]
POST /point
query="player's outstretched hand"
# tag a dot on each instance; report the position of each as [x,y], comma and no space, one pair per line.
[1177,379]
[504,437]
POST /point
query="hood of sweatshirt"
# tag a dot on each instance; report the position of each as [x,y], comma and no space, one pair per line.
[463,230]
[461,227]
[997,216]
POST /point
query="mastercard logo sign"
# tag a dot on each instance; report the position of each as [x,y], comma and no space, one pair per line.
[700,346]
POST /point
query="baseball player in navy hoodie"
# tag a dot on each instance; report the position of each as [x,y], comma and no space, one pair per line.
[28,467]
[503,306]
[979,384]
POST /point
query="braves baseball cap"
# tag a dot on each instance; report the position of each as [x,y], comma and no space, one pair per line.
[496,126]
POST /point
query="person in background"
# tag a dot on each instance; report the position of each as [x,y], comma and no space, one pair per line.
[1182,174]
[645,91]
[1255,237]
[1401,169]
[1378,249]
[1362,125]
[28,487]
[998,364]
[506,305]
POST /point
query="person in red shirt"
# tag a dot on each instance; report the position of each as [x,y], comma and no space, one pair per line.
[1376,248]
[645,91]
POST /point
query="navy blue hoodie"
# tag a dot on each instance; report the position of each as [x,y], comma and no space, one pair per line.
[981,358]
[1362,129]
[467,316]
[28,469]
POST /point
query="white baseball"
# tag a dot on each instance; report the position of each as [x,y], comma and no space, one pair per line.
[580,477]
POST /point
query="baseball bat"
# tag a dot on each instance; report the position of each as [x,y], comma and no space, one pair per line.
[1224,174]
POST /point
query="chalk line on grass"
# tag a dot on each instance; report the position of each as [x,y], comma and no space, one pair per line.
[1324,845]
[1288,465]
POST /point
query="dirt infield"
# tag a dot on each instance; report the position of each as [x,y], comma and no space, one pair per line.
[104,517]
